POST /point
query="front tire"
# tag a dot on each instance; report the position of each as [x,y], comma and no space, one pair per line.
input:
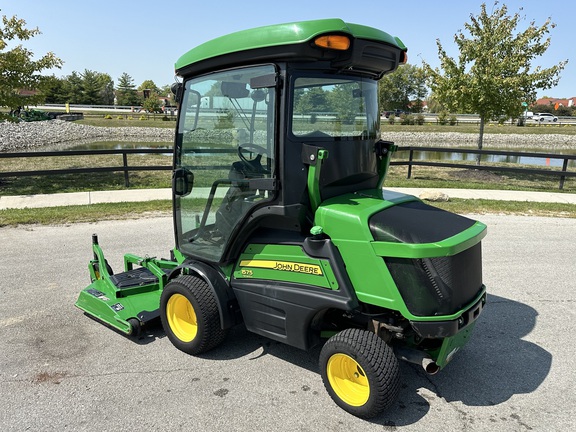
[189,315]
[360,372]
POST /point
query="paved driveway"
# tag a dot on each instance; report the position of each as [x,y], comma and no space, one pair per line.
[60,370]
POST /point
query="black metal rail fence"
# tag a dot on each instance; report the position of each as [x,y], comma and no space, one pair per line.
[399,159]
[561,173]
[125,167]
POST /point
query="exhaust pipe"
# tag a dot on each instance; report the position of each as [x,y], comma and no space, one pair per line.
[419,358]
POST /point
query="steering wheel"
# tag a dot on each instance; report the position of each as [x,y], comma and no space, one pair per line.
[252,148]
[253,165]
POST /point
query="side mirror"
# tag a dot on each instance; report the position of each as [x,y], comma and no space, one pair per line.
[182,182]
[176,88]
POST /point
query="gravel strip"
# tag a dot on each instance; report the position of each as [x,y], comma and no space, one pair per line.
[30,135]
[544,142]
[35,135]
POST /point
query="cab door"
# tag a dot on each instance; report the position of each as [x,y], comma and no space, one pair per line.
[224,148]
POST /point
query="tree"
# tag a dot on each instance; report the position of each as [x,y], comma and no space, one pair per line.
[152,103]
[126,91]
[493,74]
[341,100]
[149,85]
[74,87]
[403,89]
[542,109]
[166,91]
[53,90]
[90,88]
[106,85]
[18,70]
[433,105]
[97,88]
[315,98]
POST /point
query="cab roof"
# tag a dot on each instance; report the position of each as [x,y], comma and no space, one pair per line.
[262,39]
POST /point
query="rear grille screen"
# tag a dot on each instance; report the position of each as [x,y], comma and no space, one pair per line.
[438,286]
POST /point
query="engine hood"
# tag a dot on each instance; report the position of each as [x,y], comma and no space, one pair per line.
[397,224]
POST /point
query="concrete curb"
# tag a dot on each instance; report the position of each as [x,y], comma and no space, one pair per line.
[499,195]
[138,195]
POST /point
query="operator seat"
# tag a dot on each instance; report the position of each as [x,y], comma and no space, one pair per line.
[239,197]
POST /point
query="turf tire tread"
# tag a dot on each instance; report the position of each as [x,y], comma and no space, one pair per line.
[378,361]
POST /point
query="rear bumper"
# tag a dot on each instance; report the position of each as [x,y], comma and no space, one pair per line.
[446,329]
[454,334]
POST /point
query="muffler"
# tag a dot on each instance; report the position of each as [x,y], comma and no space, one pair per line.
[419,358]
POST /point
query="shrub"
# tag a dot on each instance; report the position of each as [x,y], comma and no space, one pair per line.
[143,117]
[542,108]
[391,119]
[564,111]
[453,120]
[420,119]
[407,119]
[108,117]
[120,117]
[442,118]
[8,117]
[226,121]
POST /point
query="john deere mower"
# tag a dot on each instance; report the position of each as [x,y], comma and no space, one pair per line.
[282,223]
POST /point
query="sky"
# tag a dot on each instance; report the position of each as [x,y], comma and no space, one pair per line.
[145,38]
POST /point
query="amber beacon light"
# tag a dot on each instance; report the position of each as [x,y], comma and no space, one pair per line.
[336,42]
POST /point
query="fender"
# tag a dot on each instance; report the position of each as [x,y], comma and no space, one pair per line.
[227,304]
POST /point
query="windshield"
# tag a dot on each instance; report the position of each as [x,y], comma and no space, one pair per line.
[335,108]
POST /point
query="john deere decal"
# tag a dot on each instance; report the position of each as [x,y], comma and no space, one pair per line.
[295,267]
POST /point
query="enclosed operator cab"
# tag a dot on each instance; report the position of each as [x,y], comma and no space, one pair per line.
[316,90]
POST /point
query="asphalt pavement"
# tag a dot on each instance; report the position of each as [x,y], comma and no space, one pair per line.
[60,370]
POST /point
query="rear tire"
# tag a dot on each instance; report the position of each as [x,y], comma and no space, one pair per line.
[360,372]
[189,315]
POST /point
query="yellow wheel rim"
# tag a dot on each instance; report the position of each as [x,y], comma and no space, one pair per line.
[348,379]
[181,318]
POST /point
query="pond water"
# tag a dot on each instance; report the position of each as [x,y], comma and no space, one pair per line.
[106,145]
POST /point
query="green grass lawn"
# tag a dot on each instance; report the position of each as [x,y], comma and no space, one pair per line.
[447,178]
[115,211]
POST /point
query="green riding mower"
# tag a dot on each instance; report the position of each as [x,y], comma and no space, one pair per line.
[282,223]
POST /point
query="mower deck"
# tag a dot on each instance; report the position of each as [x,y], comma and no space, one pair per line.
[126,300]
